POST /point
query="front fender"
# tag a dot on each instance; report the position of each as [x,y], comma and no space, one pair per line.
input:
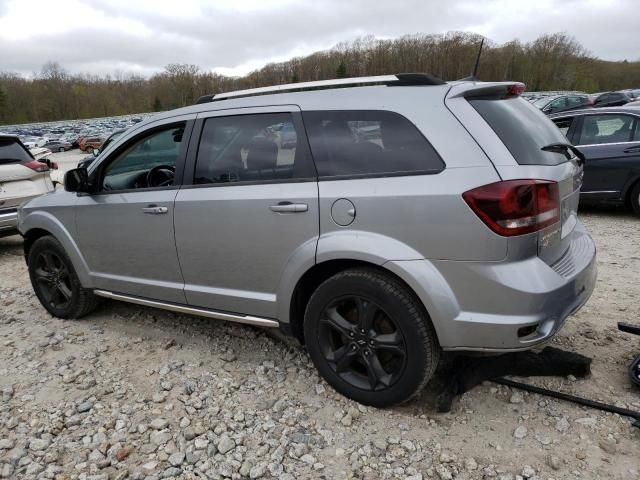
[43,220]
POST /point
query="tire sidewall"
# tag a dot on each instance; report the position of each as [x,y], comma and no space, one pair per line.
[406,318]
[50,244]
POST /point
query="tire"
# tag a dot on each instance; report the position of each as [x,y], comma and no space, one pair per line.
[634,198]
[397,337]
[55,281]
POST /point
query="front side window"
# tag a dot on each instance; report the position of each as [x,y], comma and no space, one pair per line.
[368,142]
[256,147]
[148,162]
[599,129]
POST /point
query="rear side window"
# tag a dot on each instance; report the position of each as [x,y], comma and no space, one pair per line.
[368,142]
[252,148]
[608,128]
[12,152]
[523,129]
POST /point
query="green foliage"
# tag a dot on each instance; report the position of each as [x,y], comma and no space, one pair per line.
[341,71]
[551,62]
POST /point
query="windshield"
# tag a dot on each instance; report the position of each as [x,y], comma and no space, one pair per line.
[541,102]
[523,129]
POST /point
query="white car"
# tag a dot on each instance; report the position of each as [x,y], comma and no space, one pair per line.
[22,178]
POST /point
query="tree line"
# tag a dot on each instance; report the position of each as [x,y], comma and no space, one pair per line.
[551,62]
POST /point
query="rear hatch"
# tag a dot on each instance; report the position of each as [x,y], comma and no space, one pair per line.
[21,176]
[530,147]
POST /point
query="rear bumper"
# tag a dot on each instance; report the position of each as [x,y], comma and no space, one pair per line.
[8,222]
[511,306]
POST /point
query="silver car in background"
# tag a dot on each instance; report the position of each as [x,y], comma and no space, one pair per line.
[395,217]
[22,178]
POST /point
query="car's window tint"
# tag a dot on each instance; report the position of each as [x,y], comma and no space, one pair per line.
[599,129]
[564,124]
[258,147]
[636,133]
[12,152]
[130,167]
[369,142]
[523,129]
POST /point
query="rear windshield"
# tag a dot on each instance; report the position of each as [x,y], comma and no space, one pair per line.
[523,129]
[12,152]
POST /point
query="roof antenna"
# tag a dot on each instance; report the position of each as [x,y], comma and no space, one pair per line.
[473,76]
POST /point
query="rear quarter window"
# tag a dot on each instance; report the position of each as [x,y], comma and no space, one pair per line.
[522,128]
[368,143]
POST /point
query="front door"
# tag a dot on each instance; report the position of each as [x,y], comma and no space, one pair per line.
[125,227]
[252,206]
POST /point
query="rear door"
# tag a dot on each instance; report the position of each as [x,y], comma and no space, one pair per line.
[249,206]
[611,146]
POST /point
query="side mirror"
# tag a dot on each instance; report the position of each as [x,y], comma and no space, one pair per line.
[76,180]
[96,152]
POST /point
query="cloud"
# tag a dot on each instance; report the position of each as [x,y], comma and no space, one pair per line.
[100,36]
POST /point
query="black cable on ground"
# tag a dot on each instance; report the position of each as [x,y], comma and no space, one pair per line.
[571,398]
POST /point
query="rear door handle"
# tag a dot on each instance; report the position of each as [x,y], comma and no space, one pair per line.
[288,207]
[155,210]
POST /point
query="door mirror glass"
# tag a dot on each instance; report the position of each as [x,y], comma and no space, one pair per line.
[96,151]
[76,180]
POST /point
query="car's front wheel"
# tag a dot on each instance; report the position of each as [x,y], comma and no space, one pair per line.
[55,281]
[370,337]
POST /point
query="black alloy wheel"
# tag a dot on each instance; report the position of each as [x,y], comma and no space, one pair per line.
[370,337]
[53,279]
[361,343]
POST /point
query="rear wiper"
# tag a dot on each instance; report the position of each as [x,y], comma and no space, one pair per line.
[564,148]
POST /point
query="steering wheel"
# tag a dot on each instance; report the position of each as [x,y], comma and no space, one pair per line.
[161,176]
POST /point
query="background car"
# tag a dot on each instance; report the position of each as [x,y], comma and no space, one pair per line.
[609,138]
[86,161]
[611,99]
[560,103]
[22,178]
[58,146]
[87,144]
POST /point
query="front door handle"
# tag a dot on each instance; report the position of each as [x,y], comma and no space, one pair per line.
[155,210]
[288,207]
[633,150]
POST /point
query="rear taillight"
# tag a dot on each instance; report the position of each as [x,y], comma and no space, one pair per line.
[37,166]
[516,207]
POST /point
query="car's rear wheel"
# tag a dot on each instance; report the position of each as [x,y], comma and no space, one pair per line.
[370,337]
[635,198]
[55,281]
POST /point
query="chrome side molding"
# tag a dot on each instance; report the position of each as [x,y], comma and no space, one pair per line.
[248,319]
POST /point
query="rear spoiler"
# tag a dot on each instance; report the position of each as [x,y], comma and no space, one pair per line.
[487,90]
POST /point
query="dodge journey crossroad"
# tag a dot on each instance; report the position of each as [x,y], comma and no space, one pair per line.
[380,220]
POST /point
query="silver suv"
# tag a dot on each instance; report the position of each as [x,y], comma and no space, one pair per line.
[379,223]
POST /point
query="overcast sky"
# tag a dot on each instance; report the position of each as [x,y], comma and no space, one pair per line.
[237,36]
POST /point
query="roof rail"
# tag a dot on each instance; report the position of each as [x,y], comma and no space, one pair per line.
[400,79]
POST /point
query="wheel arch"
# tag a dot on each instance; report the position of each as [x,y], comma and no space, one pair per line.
[628,190]
[320,272]
[39,224]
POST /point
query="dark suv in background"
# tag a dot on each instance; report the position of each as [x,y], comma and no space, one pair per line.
[612,99]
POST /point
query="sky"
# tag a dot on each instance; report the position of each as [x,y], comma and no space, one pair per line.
[236,37]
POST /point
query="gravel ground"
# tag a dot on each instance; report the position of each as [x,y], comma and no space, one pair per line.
[130,392]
